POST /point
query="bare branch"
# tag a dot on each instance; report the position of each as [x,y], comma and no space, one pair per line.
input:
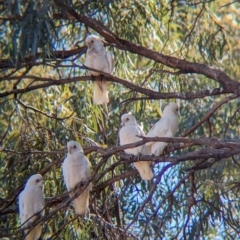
[209,114]
[184,66]
[107,77]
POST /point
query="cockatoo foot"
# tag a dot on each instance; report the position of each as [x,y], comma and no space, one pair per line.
[94,78]
[131,156]
[138,156]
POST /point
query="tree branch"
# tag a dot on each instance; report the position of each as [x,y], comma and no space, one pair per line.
[107,77]
[184,66]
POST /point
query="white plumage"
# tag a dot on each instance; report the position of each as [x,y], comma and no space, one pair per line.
[31,201]
[76,169]
[98,58]
[127,135]
[166,127]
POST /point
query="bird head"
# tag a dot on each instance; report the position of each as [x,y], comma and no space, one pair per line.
[35,180]
[171,108]
[128,119]
[94,43]
[73,147]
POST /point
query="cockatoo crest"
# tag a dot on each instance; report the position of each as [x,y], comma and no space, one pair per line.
[35,181]
[94,43]
[171,108]
[73,147]
[128,119]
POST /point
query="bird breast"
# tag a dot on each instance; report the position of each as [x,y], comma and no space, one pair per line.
[76,168]
[97,61]
[128,134]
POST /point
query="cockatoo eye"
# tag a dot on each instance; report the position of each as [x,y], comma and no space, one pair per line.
[74,146]
[92,41]
[127,119]
[38,180]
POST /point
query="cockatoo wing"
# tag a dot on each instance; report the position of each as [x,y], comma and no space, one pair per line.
[140,130]
[30,203]
[99,59]
[143,167]
[110,60]
[81,203]
[127,135]
[75,170]
[100,92]
[66,173]
[160,129]
[39,203]
[22,210]
[165,127]
[144,170]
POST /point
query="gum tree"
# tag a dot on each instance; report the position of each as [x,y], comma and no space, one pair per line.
[183,51]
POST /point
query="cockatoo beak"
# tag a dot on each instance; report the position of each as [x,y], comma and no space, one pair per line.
[90,46]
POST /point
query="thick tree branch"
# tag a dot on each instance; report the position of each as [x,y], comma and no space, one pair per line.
[209,142]
[31,61]
[107,77]
[184,66]
[209,114]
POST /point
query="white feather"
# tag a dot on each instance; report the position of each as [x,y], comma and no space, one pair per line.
[166,127]
[127,135]
[98,58]
[31,201]
[76,169]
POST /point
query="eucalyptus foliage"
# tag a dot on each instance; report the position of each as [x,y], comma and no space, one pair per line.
[42,43]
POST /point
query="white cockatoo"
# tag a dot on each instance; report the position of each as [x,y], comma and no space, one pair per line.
[31,201]
[98,58]
[76,169]
[127,135]
[166,127]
